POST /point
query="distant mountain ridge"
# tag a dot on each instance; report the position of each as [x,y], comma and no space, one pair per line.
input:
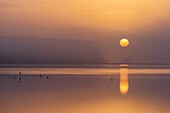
[48,51]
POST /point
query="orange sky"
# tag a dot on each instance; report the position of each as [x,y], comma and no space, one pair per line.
[102,15]
[102,21]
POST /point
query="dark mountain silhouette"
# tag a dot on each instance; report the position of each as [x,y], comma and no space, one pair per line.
[48,51]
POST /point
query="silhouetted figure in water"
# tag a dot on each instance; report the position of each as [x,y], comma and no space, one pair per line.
[111,79]
[20,73]
[47,77]
[19,82]
[20,76]
[41,76]
[9,77]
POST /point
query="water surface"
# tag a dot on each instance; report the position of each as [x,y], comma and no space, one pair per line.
[85,90]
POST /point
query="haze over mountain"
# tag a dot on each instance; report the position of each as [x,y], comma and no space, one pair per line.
[48,51]
[100,24]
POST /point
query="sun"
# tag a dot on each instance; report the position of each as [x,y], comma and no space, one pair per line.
[124,42]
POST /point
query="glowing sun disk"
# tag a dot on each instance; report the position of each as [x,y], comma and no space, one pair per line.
[124,42]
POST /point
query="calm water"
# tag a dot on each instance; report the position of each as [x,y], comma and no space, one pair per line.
[85,90]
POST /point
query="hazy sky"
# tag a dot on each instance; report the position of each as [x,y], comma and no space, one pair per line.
[145,23]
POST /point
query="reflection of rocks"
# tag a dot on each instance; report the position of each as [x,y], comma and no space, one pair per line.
[49,51]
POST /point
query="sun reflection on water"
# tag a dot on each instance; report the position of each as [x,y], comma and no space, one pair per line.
[124,83]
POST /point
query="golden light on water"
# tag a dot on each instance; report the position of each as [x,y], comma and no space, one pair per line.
[124,83]
[124,42]
[77,92]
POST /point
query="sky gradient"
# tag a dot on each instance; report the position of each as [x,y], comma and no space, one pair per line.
[103,22]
